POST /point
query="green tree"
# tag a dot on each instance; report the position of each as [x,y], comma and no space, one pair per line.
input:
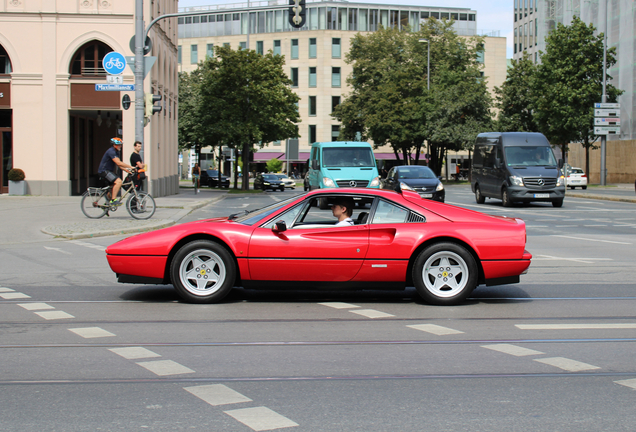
[246,98]
[514,98]
[390,102]
[389,74]
[568,82]
[274,165]
[457,107]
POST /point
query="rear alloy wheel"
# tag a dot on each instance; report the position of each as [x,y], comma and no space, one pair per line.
[282,188]
[557,203]
[445,274]
[478,196]
[203,272]
[505,197]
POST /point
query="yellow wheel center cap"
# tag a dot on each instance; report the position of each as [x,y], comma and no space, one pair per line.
[202,272]
[445,274]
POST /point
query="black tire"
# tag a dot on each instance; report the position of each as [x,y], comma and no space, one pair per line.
[192,267]
[282,188]
[505,198]
[142,208]
[583,187]
[557,203]
[445,274]
[94,203]
[572,187]
[478,196]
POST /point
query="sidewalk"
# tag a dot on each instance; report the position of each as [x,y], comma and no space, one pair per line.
[37,218]
[623,192]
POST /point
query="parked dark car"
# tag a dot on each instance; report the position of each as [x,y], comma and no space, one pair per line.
[210,177]
[268,181]
[417,178]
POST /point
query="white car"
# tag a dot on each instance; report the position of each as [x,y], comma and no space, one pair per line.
[576,178]
[289,183]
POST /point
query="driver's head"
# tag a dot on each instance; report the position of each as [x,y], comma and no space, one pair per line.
[346,203]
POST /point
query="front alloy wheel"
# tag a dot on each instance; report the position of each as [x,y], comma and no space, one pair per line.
[445,274]
[478,196]
[203,272]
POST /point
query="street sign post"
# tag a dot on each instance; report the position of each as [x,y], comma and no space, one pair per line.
[114,79]
[607,113]
[149,62]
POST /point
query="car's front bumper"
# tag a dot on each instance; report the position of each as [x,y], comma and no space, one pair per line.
[523,194]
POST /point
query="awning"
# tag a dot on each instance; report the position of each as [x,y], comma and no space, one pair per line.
[265,156]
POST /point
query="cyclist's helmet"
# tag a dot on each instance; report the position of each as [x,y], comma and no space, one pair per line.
[116,141]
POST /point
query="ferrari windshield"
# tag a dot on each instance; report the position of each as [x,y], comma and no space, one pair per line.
[347,157]
[256,215]
[530,156]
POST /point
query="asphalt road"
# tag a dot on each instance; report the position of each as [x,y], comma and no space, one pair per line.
[555,352]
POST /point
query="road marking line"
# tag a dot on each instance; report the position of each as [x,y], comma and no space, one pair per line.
[594,225]
[537,226]
[35,306]
[165,367]
[592,240]
[435,329]
[58,250]
[13,295]
[371,313]
[133,353]
[627,383]
[88,245]
[52,315]
[91,332]
[566,364]
[583,260]
[260,418]
[217,394]
[575,326]
[5,289]
[512,350]
[339,305]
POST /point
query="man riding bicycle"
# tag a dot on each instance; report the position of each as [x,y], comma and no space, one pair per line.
[108,165]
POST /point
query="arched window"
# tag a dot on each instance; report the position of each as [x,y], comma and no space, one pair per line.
[87,60]
[5,62]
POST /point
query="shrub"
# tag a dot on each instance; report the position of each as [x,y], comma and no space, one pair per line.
[16,174]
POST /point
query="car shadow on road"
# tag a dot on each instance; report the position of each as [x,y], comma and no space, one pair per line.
[166,293]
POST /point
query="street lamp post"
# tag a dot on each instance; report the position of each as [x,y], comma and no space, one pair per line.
[428,63]
[428,79]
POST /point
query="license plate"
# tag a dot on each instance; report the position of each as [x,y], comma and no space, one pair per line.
[542,195]
[426,195]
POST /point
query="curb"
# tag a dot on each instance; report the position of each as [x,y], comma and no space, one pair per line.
[601,197]
[153,225]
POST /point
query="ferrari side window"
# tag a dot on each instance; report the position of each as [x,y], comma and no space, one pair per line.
[388,213]
[289,216]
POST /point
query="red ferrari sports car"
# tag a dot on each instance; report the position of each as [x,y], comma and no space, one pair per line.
[398,239]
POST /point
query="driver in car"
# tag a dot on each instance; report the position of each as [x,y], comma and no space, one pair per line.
[342,209]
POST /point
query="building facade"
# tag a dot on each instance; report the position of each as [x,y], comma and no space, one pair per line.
[315,54]
[54,125]
[534,19]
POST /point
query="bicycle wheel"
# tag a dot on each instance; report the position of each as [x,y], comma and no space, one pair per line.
[94,203]
[141,206]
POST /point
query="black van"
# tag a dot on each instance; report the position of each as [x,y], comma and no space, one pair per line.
[516,167]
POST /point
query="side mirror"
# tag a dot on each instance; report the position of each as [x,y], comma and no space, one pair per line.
[560,163]
[497,163]
[314,164]
[280,226]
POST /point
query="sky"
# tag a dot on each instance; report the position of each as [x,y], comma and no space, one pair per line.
[491,14]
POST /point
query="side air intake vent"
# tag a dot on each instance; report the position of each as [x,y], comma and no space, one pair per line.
[415,218]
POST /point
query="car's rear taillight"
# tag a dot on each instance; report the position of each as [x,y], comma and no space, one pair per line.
[584,176]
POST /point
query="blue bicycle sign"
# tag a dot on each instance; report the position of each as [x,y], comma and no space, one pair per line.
[114,63]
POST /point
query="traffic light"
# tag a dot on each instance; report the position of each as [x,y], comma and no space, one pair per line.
[297,13]
[149,104]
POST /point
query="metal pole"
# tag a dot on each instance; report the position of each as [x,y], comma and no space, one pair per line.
[604,98]
[428,67]
[139,74]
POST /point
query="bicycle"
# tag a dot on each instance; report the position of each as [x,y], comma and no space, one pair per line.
[96,202]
